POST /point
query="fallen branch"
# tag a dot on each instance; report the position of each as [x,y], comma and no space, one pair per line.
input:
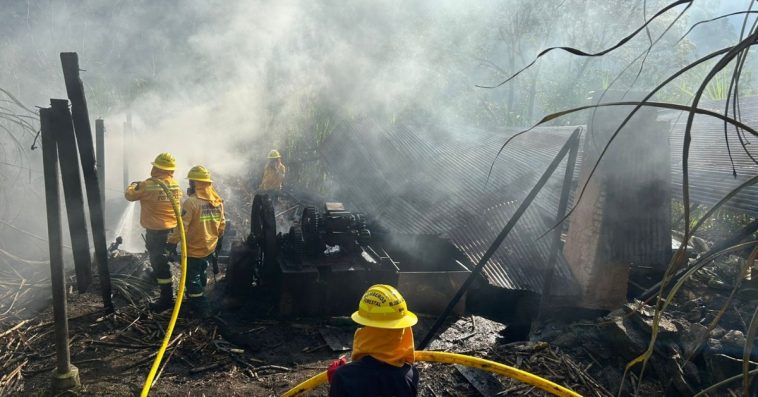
[17,326]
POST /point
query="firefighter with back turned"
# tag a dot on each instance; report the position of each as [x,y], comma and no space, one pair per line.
[158,218]
[203,218]
[383,352]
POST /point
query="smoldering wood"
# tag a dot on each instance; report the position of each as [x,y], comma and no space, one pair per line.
[83,130]
[63,129]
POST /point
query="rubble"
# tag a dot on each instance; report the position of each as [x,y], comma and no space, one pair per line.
[688,355]
[264,356]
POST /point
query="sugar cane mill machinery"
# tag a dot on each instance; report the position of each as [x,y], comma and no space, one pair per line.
[329,255]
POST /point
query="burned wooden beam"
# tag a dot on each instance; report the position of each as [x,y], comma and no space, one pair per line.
[66,376]
[80,116]
[63,130]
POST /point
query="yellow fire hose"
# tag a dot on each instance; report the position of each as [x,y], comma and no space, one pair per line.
[179,294]
[454,358]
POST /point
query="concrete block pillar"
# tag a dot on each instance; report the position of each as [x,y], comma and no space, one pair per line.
[624,217]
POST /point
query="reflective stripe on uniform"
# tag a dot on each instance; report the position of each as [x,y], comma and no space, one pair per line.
[164,281]
[157,187]
[195,295]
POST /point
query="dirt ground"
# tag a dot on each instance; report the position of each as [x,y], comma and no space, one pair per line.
[239,352]
[236,353]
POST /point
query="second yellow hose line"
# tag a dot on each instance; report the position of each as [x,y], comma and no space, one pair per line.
[179,294]
[454,358]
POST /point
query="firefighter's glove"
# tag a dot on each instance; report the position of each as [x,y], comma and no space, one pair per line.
[171,248]
[333,367]
[136,185]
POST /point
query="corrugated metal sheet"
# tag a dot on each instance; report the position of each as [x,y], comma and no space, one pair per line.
[410,180]
[710,170]
[408,184]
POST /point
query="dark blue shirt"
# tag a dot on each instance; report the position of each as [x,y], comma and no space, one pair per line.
[369,377]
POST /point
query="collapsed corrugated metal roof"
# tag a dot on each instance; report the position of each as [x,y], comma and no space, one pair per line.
[710,170]
[409,184]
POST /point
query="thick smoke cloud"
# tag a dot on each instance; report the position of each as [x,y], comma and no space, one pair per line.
[222,82]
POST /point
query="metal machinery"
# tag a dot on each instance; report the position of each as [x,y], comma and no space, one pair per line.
[330,256]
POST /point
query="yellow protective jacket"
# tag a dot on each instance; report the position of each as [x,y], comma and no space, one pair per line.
[156,212]
[203,217]
[273,177]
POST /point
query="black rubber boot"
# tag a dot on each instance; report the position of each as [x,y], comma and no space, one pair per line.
[165,301]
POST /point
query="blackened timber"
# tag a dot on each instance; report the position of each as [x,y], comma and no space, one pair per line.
[80,116]
[63,130]
[499,239]
[54,234]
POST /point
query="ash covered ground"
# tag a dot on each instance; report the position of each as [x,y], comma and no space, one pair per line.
[241,352]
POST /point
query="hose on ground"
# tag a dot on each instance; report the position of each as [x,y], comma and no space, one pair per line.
[468,361]
[179,294]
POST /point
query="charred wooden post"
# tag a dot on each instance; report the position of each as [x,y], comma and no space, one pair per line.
[62,127]
[65,375]
[100,157]
[80,116]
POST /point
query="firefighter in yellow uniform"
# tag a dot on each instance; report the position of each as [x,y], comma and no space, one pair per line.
[158,218]
[203,217]
[273,175]
[383,352]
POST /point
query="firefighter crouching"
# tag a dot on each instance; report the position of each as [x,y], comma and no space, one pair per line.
[273,175]
[203,217]
[158,218]
[383,352]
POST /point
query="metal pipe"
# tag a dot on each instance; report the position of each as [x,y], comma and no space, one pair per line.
[498,240]
[52,203]
[100,157]
[126,141]
[83,130]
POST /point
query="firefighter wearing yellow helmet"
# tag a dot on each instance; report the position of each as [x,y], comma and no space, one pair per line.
[203,218]
[273,175]
[383,352]
[158,218]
